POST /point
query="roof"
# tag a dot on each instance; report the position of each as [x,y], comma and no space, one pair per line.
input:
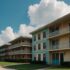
[20,38]
[58,21]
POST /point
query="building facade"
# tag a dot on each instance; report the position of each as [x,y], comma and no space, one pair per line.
[19,49]
[51,43]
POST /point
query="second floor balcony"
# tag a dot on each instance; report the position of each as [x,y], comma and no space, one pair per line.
[20,52]
[62,46]
[19,45]
[59,32]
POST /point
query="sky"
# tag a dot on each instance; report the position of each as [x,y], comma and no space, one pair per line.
[14,12]
[20,17]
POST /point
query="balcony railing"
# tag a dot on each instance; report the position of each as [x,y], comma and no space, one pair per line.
[60,46]
[59,32]
[54,47]
[20,52]
[53,33]
[19,45]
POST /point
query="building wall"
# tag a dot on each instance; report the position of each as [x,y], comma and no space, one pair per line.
[64,42]
[67,56]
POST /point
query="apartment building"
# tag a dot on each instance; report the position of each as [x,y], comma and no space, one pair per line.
[51,43]
[17,50]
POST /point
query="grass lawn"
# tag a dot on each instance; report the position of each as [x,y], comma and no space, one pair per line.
[30,66]
[7,63]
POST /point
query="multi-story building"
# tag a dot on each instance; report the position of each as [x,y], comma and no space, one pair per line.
[17,50]
[51,43]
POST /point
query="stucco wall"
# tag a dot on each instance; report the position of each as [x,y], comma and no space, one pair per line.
[67,56]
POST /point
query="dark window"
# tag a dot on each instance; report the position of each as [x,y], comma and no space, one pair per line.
[44,45]
[44,34]
[54,29]
[39,46]
[44,57]
[34,48]
[39,57]
[35,58]
[34,38]
[39,37]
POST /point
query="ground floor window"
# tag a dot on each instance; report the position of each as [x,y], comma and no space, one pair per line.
[39,57]
[34,58]
[44,57]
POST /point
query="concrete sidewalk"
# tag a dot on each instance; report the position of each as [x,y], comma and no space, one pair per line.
[1,68]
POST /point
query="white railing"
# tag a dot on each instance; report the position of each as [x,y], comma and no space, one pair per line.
[59,32]
[20,52]
[19,45]
[60,46]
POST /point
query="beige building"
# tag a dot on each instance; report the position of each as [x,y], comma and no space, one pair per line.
[56,35]
[17,50]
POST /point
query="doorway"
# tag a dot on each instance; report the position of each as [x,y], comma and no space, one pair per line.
[61,58]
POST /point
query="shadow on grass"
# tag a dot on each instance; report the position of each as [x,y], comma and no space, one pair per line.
[27,66]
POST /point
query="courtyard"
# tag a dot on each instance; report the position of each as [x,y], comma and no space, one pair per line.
[22,66]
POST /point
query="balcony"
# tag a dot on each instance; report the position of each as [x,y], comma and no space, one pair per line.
[59,32]
[54,47]
[62,46]
[53,33]
[20,52]
[19,45]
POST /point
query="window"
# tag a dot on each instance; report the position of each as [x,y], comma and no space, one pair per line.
[39,37]
[39,46]
[34,48]
[34,38]
[44,57]
[44,34]
[54,29]
[34,58]
[39,57]
[44,45]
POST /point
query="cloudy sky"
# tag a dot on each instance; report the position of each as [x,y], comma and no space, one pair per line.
[20,17]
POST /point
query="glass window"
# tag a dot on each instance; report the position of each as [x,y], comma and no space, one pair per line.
[54,29]
[39,37]
[34,48]
[39,46]
[39,57]
[44,45]
[44,57]
[35,58]
[44,34]
[34,38]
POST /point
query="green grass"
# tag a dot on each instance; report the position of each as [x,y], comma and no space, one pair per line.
[7,63]
[14,65]
[27,66]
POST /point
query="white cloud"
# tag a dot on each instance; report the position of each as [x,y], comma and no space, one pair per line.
[47,11]
[8,34]
[24,30]
[39,14]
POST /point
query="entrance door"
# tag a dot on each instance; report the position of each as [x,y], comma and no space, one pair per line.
[55,58]
[61,58]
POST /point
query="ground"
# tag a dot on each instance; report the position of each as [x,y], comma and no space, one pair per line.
[20,66]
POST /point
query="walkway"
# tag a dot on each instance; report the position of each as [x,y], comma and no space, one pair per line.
[1,68]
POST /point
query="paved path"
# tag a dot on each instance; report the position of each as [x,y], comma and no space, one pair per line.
[1,68]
